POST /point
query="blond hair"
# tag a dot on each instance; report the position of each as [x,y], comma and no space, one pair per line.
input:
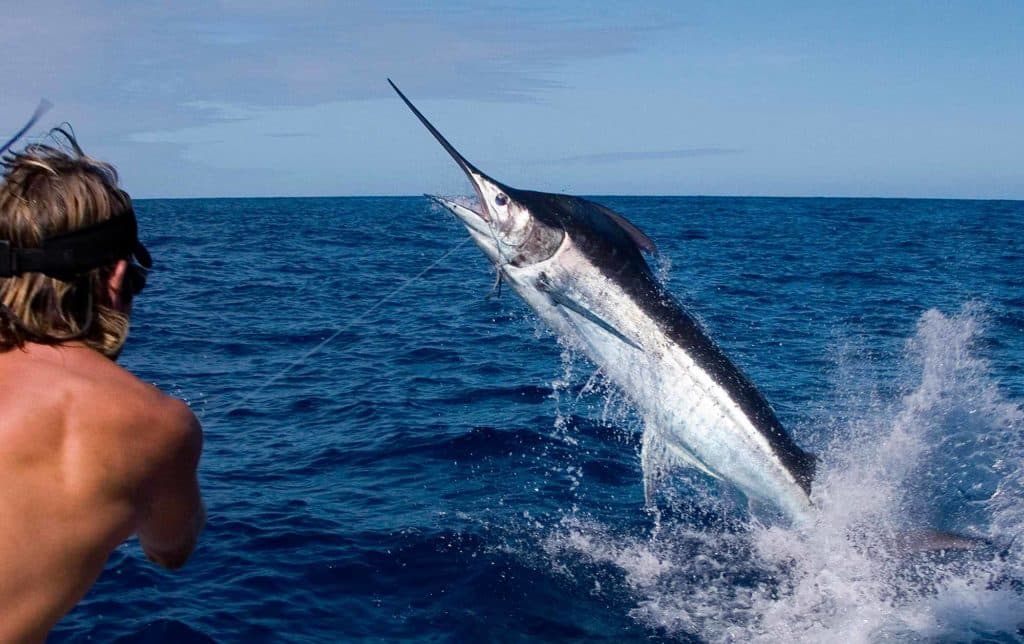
[48,190]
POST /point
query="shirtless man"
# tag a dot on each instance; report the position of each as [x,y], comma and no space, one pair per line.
[89,454]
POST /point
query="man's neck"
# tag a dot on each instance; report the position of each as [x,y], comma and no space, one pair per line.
[61,353]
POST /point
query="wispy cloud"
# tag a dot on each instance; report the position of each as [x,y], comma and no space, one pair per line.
[651,155]
[157,75]
[288,135]
[159,67]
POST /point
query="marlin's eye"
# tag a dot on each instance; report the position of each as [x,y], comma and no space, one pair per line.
[501,199]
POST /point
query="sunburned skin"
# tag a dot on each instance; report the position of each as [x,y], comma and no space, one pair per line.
[89,455]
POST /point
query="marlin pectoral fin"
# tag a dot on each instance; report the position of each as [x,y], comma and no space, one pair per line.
[570,304]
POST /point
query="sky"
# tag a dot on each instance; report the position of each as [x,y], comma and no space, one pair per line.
[593,97]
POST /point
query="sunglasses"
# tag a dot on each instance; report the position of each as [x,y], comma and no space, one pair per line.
[136,278]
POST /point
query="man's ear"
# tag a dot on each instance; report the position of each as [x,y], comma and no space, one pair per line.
[115,285]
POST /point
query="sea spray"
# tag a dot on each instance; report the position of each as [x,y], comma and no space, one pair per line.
[846,576]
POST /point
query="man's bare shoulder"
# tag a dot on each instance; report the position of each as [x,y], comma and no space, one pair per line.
[103,417]
[119,409]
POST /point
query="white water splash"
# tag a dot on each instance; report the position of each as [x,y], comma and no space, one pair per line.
[947,453]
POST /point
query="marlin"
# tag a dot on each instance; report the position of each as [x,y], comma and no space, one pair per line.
[581,267]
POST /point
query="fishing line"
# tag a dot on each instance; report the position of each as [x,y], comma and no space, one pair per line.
[341,330]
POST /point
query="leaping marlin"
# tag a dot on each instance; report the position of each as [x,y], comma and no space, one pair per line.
[581,267]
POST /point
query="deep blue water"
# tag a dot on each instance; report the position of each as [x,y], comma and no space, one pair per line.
[442,470]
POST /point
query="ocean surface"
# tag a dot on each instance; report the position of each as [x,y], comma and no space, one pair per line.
[396,456]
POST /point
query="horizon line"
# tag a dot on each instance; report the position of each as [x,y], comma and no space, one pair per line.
[600,195]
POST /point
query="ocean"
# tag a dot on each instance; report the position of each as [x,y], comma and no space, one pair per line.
[393,455]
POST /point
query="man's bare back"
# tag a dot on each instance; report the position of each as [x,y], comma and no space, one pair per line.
[89,455]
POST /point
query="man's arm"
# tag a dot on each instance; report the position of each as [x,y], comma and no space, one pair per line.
[173,514]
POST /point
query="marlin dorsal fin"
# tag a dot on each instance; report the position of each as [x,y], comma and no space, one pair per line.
[637,235]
